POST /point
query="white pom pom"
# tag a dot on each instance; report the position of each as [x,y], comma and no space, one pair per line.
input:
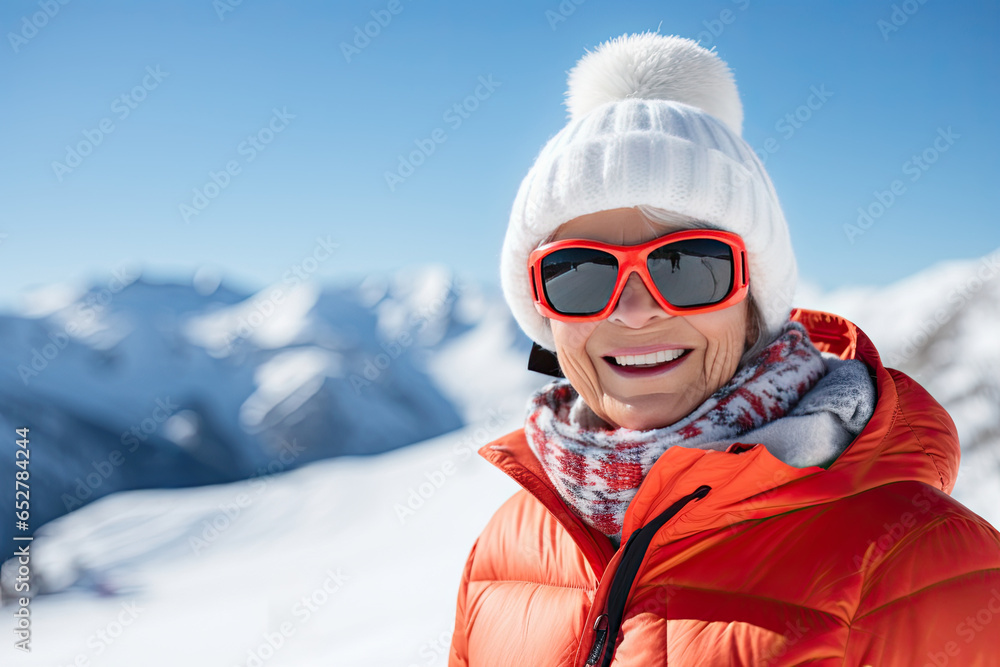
[652,66]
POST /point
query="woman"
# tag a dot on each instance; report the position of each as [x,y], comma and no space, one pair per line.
[719,479]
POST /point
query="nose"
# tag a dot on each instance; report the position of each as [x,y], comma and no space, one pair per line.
[636,307]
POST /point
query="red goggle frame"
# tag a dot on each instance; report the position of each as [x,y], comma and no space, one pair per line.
[636,258]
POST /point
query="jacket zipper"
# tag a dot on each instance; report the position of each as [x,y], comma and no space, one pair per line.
[601,630]
[609,622]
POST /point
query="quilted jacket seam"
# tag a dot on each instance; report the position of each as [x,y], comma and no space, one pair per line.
[922,589]
[923,449]
[528,581]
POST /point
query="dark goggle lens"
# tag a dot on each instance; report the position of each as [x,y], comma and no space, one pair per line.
[578,281]
[697,272]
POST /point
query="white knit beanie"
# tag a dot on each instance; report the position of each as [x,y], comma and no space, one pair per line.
[656,121]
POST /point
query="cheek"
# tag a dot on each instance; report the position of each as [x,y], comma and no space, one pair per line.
[726,335]
[572,336]
[724,351]
[571,344]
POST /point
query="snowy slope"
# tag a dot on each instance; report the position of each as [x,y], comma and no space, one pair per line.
[219,573]
[375,545]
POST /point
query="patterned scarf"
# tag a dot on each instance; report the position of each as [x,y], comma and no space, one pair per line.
[597,468]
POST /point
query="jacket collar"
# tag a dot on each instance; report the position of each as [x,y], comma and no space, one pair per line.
[747,481]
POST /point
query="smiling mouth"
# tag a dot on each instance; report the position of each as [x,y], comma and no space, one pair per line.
[645,363]
[650,359]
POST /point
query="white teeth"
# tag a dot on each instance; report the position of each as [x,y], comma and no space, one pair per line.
[648,359]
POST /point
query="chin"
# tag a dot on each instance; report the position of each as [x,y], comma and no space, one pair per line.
[643,420]
[651,409]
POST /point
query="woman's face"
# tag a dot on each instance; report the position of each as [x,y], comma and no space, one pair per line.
[712,343]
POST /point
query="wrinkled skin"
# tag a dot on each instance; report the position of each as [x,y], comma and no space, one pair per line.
[716,340]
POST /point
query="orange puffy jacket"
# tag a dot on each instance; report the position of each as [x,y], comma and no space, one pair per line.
[739,559]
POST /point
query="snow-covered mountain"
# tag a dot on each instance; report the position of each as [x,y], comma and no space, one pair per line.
[131,384]
[355,560]
[942,327]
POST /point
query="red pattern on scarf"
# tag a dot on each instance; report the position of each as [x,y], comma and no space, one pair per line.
[598,470]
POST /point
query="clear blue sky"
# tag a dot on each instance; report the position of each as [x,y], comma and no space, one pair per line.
[323,174]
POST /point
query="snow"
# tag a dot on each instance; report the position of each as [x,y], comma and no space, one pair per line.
[939,327]
[216,570]
[286,381]
[48,299]
[355,560]
[110,369]
[274,317]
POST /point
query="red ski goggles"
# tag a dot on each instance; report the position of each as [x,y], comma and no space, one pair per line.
[689,272]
